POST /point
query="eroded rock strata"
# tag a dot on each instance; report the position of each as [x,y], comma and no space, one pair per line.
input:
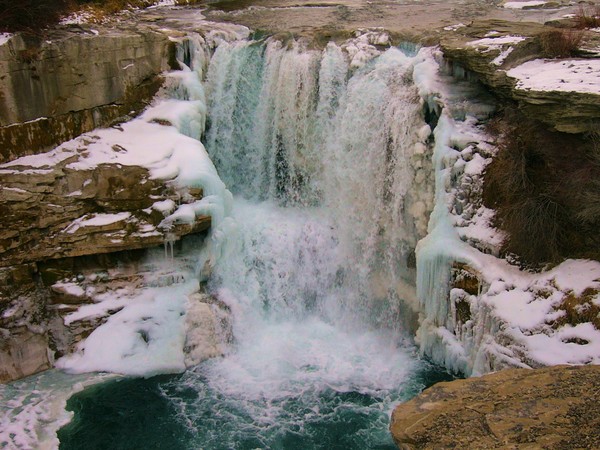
[62,209]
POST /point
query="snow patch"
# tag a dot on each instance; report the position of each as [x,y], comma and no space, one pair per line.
[454,27]
[570,75]
[526,4]
[77,18]
[96,220]
[499,60]
[496,43]
[5,37]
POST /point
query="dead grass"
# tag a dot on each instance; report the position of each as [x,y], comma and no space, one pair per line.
[560,43]
[545,189]
[588,16]
[33,16]
[579,310]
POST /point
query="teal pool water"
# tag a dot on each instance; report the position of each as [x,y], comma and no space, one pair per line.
[185,412]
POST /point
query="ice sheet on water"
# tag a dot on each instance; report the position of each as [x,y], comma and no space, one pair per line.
[33,409]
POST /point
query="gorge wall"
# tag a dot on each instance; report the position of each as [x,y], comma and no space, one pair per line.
[74,80]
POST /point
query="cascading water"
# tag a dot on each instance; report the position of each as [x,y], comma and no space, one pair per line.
[340,149]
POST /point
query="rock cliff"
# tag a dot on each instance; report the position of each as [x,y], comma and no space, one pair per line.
[109,192]
[491,48]
[74,80]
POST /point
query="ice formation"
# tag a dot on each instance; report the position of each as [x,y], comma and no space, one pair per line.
[509,321]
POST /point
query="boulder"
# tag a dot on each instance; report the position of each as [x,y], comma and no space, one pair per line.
[553,407]
[22,353]
[208,329]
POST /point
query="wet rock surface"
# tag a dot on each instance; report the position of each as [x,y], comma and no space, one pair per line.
[549,408]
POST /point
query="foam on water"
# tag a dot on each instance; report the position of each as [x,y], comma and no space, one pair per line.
[295,377]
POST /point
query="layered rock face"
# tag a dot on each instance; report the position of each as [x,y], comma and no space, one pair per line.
[62,210]
[554,407]
[73,81]
[52,222]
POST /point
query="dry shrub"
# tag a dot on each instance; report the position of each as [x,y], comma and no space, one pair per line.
[99,10]
[545,188]
[588,16]
[560,43]
[32,15]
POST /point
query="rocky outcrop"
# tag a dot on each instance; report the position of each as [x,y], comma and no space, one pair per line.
[490,48]
[208,328]
[110,192]
[57,212]
[551,408]
[23,339]
[74,80]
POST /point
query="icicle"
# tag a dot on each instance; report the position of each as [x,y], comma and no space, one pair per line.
[168,243]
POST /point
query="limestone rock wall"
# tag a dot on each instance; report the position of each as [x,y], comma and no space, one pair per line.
[59,212]
[73,81]
[490,48]
[86,226]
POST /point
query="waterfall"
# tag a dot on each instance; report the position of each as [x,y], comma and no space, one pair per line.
[327,155]
[342,149]
[329,159]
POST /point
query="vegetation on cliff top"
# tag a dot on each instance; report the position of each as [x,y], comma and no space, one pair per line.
[32,16]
